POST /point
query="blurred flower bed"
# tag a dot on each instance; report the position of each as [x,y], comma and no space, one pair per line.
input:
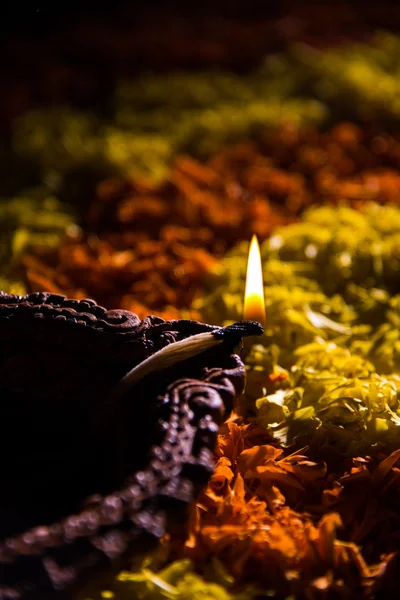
[190,163]
[150,207]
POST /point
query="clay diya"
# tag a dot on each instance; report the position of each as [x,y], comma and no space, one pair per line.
[107,429]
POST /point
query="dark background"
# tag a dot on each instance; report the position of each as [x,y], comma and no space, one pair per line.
[37,17]
[75,52]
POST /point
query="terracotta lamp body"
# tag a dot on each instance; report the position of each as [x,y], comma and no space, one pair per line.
[75,497]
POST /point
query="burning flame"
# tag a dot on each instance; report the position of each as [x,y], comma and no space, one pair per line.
[254,303]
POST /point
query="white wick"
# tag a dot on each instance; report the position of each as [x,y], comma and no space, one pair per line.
[167,357]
